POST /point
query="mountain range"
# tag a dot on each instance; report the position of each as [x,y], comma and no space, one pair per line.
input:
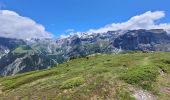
[19,56]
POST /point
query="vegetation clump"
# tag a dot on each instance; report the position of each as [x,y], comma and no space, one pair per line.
[73,82]
[143,76]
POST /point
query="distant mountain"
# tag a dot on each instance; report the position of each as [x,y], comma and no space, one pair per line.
[115,42]
[18,56]
[7,44]
[152,40]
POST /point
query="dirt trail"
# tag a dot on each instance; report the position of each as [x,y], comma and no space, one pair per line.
[140,94]
[144,95]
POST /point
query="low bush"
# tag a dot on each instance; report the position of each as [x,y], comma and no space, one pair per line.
[143,76]
[73,82]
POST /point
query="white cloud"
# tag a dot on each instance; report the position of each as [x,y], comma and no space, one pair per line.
[69,32]
[143,21]
[12,25]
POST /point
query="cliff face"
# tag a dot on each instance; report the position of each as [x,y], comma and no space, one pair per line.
[142,40]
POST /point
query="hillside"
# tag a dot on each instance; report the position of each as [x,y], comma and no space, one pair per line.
[128,76]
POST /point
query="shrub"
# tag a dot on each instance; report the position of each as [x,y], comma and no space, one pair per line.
[73,82]
[143,76]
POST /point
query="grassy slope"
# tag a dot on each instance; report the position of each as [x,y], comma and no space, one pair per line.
[94,77]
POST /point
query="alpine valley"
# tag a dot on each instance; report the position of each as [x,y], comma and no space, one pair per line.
[19,56]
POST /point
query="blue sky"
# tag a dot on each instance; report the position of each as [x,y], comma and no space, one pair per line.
[81,15]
